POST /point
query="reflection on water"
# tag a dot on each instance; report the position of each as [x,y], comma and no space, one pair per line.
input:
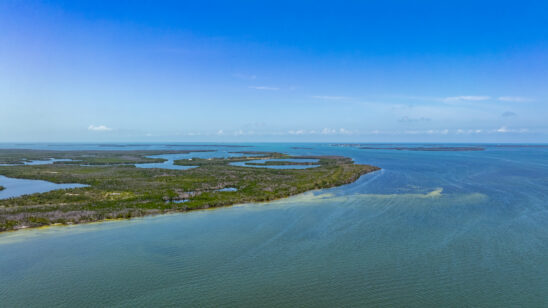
[251,163]
[171,158]
[164,165]
[429,229]
[19,187]
[46,162]
[228,189]
[39,162]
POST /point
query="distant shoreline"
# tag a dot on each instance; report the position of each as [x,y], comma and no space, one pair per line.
[432,149]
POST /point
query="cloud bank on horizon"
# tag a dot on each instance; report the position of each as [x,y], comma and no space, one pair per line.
[398,71]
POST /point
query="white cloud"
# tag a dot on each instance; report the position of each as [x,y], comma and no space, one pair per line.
[429,132]
[469,131]
[453,99]
[461,131]
[264,88]
[475,131]
[333,98]
[334,131]
[517,99]
[220,132]
[99,128]
[344,131]
[328,131]
[504,129]
[297,132]
[324,131]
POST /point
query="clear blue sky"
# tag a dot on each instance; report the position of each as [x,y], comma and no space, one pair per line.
[361,71]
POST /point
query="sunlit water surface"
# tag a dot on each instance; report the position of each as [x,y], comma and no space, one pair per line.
[19,187]
[261,162]
[430,229]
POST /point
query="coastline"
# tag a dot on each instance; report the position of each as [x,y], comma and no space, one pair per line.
[166,213]
[124,191]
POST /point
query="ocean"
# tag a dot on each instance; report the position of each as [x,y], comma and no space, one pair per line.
[432,228]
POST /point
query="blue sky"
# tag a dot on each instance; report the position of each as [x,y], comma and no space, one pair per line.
[348,71]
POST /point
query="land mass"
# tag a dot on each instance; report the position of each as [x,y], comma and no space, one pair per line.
[388,146]
[433,149]
[118,189]
[521,145]
[19,156]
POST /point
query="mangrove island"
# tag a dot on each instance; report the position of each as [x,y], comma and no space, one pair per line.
[116,188]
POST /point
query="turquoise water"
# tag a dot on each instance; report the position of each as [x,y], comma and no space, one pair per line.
[429,229]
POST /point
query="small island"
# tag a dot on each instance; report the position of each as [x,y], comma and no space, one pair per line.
[418,148]
[117,189]
[427,149]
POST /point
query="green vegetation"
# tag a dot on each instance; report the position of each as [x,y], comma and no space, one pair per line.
[120,190]
[1,187]
[17,156]
[282,163]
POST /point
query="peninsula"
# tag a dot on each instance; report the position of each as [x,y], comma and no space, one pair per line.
[116,188]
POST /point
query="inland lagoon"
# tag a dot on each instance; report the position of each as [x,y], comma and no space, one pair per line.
[432,228]
[284,163]
[11,188]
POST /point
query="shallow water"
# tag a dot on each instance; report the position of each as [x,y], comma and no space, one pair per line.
[171,158]
[228,189]
[262,161]
[39,162]
[46,162]
[429,229]
[19,187]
